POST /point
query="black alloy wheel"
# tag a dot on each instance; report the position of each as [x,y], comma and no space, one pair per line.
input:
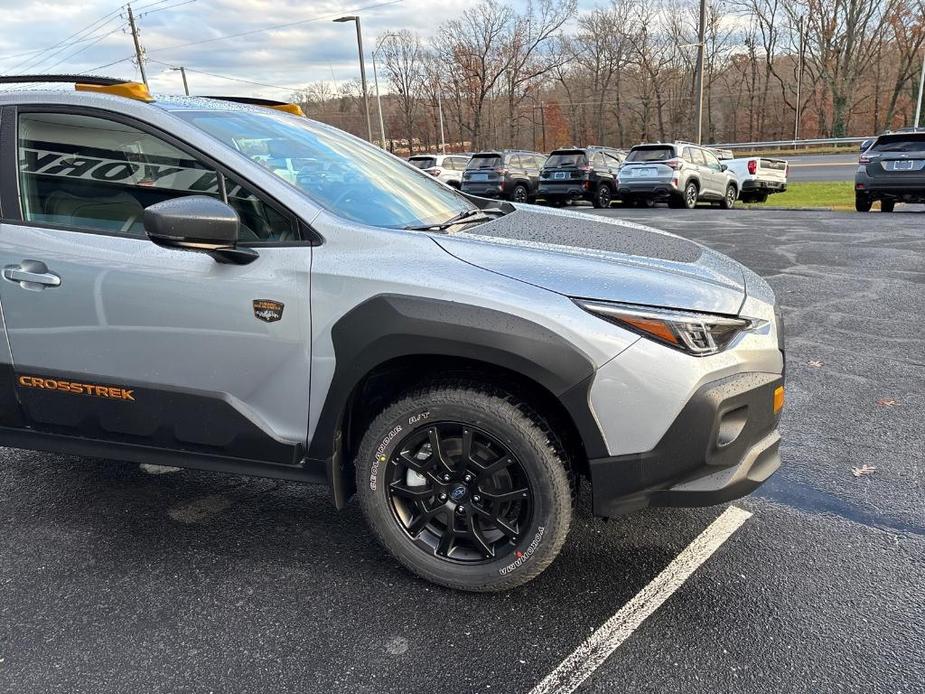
[603,197]
[520,193]
[459,493]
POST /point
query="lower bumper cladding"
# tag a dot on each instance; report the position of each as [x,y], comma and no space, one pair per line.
[722,446]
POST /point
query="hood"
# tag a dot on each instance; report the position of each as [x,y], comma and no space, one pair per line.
[591,257]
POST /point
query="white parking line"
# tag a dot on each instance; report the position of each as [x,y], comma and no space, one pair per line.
[602,643]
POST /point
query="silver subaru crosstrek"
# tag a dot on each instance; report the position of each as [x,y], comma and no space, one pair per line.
[168,297]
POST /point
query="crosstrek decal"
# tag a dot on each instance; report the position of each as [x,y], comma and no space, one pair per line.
[268,310]
[75,388]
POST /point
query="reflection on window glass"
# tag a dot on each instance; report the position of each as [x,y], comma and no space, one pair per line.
[343,174]
[91,173]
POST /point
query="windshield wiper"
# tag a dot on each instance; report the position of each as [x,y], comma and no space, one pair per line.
[464,217]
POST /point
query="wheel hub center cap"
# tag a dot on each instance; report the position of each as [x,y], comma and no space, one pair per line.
[458,492]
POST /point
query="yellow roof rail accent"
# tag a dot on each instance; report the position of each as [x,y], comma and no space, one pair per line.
[129,90]
[294,109]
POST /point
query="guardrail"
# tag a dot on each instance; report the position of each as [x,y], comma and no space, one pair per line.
[793,144]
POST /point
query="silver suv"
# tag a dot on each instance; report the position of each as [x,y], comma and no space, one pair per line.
[168,297]
[680,173]
[447,168]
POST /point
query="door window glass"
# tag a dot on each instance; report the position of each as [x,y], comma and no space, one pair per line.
[514,162]
[711,159]
[91,173]
[697,156]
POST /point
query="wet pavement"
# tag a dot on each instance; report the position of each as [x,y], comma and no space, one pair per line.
[113,579]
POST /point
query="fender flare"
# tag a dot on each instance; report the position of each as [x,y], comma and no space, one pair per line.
[389,326]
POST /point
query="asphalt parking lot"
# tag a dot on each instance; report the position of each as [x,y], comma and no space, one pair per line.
[113,579]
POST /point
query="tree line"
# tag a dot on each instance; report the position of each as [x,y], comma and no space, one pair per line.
[547,75]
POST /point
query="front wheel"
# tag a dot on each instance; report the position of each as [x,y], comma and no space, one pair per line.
[729,199]
[464,487]
[862,203]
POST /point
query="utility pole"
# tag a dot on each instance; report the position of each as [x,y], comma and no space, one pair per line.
[543,124]
[701,46]
[139,53]
[182,71]
[799,105]
[918,108]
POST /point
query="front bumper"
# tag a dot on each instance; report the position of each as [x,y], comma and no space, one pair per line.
[722,445]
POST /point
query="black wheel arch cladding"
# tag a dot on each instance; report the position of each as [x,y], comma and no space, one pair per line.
[390,326]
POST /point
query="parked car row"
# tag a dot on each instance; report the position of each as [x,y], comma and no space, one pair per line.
[680,173]
[891,169]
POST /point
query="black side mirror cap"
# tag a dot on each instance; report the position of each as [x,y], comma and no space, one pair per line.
[198,223]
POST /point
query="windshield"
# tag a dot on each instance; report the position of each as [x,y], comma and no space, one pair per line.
[484,161]
[349,177]
[564,159]
[650,154]
[423,162]
[900,143]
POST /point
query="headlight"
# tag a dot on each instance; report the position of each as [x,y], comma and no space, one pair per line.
[700,334]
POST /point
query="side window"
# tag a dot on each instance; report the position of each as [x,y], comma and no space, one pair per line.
[687,156]
[711,159]
[697,156]
[99,175]
[514,162]
[597,161]
[613,161]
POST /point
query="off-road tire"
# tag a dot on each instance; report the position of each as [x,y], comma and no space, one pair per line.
[525,434]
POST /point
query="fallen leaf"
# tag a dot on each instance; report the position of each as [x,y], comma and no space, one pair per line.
[887,402]
[865,469]
[814,363]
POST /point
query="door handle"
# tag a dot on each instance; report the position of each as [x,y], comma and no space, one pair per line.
[31,274]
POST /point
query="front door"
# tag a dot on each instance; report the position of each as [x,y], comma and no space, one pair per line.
[115,339]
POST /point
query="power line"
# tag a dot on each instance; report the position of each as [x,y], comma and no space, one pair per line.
[87,47]
[114,62]
[275,27]
[161,9]
[228,77]
[67,42]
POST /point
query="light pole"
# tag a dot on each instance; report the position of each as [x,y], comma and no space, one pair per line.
[440,111]
[182,71]
[918,108]
[701,37]
[356,20]
[379,45]
[796,119]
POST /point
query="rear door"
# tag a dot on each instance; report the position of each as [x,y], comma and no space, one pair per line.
[115,339]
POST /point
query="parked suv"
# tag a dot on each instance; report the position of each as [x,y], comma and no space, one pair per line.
[169,298]
[680,173]
[508,174]
[891,169]
[444,167]
[588,173]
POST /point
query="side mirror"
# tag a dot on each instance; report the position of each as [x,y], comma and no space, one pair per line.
[723,167]
[198,223]
[866,144]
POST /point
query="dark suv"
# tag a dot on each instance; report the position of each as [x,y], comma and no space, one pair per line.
[891,168]
[581,173]
[510,174]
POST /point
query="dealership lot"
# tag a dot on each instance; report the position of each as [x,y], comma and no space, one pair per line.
[114,579]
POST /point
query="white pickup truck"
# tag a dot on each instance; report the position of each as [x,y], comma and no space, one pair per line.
[758,176]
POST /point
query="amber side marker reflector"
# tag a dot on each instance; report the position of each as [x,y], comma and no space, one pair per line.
[778,399]
[653,327]
[129,90]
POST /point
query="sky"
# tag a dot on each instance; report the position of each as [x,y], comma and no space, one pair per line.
[190,33]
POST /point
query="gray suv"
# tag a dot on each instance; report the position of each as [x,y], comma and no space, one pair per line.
[679,173]
[891,169]
[453,363]
[510,174]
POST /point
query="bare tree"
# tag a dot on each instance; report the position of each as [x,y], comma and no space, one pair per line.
[404,65]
